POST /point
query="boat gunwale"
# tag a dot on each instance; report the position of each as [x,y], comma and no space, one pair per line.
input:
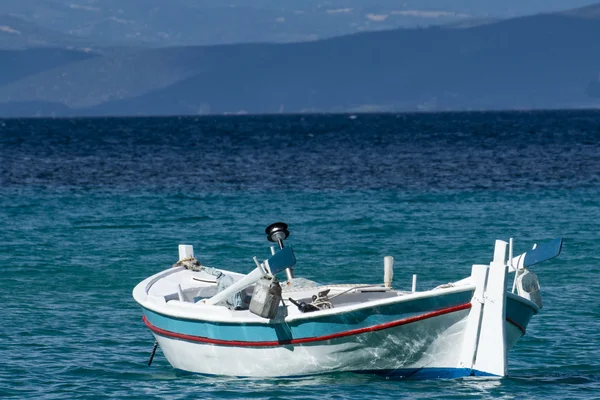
[189,311]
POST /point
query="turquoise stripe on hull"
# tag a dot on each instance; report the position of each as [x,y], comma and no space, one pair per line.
[318,326]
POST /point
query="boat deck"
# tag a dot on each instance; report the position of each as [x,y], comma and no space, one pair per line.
[180,288]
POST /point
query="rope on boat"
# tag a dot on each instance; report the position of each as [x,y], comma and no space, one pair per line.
[322,303]
[323,287]
[444,286]
[352,288]
[190,263]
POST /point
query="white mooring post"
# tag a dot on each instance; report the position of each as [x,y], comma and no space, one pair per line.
[185,251]
[491,354]
[388,271]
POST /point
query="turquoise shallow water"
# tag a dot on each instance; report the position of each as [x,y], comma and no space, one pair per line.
[89,208]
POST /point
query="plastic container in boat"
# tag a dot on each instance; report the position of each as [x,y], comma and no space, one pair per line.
[266,298]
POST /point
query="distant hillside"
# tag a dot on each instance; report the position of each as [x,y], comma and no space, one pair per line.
[34,109]
[17,65]
[544,61]
[93,81]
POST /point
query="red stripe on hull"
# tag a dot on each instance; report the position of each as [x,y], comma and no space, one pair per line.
[374,328]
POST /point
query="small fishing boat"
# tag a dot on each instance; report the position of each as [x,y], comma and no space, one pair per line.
[218,322]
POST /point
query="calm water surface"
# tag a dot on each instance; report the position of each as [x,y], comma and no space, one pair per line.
[90,207]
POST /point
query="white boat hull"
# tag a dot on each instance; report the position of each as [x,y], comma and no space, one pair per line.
[428,343]
[425,348]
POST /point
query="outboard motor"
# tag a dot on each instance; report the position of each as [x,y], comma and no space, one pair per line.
[278,232]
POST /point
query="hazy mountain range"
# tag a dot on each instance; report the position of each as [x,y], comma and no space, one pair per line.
[539,61]
[102,23]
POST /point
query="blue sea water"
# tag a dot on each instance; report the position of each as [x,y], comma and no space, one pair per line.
[90,207]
